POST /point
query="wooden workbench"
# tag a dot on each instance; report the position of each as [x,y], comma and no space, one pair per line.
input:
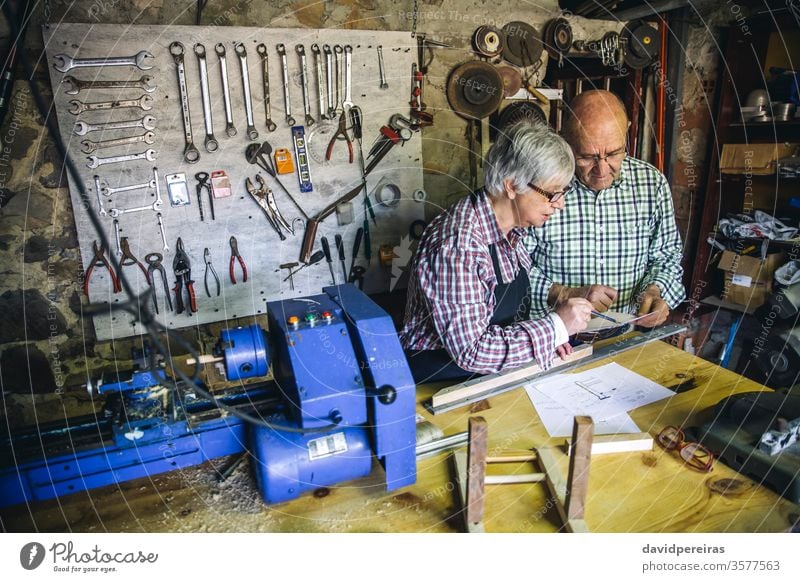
[629,492]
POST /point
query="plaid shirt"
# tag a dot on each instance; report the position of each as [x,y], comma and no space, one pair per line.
[451,293]
[624,237]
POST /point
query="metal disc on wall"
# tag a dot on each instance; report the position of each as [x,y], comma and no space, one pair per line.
[488,41]
[512,80]
[557,37]
[515,112]
[641,44]
[474,89]
[523,44]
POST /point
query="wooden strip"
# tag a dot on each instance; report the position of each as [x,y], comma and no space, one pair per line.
[512,479]
[618,443]
[460,477]
[512,459]
[579,460]
[486,384]
[477,450]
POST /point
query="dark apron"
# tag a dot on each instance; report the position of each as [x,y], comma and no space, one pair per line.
[512,305]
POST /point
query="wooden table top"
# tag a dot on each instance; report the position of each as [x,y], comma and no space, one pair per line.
[628,492]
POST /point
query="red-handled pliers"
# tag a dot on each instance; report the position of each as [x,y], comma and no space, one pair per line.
[341,130]
[235,255]
[100,259]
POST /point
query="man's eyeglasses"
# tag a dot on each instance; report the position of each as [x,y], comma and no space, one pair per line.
[551,196]
[611,159]
[695,455]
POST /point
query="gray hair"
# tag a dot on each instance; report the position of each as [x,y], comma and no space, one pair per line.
[527,152]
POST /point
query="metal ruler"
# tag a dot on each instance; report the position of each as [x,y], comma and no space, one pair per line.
[612,349]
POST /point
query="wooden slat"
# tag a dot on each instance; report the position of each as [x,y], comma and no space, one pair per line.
[579,460]
[477,451]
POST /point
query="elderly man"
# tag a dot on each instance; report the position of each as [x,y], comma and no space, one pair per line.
[469,289]
[616,242]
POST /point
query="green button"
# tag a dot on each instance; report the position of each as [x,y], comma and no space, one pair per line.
[311,317]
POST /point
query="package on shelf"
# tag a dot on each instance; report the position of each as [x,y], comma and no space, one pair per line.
[748,280]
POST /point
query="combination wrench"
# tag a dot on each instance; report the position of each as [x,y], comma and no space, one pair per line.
[261,49]
[301,51]
[155,207]
[382,68]
[89,146]
[252,134]
[94,161]
[287,101]
[78,85]
[338,50]
[190,152]
[323,113]
[108,191]
[326,49]
[116,237]
[210,143]
[348,79]
[165,246]
[97,192]
[226,92]
[145,103]
[147,122]
[64,63]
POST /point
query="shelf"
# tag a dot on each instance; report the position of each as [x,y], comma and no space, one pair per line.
[714,301]
[788,131]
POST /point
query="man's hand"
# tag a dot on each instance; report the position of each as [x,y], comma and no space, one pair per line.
[653,304]
[564,350]
[575,313]
[600,296]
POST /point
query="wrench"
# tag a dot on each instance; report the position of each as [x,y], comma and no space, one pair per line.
[147,122]
[163,233]
[145,103]
[252,134]
[381,68]
[97,192]
[89,146]
[78,85]
[326,48]
[66,63]
[108,191]
[348,67]
[262,51]
[301,50]
[226,92]
[190,152]
[287,102]
[338,50]
[116,237]
[211,143]
[117,212]
[95,162]
[320,82]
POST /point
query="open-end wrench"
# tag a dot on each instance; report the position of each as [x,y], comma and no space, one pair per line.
[326,49]
[88,146]
[211,142]
[165,247]
[116,237]
[108,191]
[338,50]
[287,101]
[97,192]
[78,85]
[226,92]
[64,63]
[323,113]
[301,51]
[117,212]
[261,49]
[190,152]
[145,103]
[382,69]
[158,187]
[95,162]
[147,122]
[252,134]
[348,78]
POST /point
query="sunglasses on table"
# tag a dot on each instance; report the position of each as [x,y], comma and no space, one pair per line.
[695,455]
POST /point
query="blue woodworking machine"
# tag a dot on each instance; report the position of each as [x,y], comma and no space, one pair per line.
[341,393]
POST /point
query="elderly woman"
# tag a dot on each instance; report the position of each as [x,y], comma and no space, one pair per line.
[469,291]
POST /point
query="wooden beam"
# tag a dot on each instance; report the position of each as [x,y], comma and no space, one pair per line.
[477,451]
[579,460]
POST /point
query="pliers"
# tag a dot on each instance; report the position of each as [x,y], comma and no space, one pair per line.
[153,261]
[128,259]
[235,255]
[266,200]
[204,184]
[341,130]
[183,276]
[209,267]
[100,259]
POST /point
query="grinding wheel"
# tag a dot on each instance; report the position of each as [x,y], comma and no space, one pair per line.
[515,112]
[641,44]
[488,41]
[512,80]
[557,37]
[523,44]
[475,89]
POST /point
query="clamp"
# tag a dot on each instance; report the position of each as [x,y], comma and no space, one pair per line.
[266,200]
[235,255]
[209,268]
[99,259]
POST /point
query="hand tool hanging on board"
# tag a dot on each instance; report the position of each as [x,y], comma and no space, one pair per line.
[357,124]
[340,134]
[127,259]
[315,258]
[261,49]
[100,259]
[367,242]
[260,155]
[234,257]
[328,258]
[266,200]
[211,143]
[209,269]
[203,183]
[241,52]
[219,48]
[183,278]
[290,266]
[340,252]
[153,261]
[190,153]
[356,248]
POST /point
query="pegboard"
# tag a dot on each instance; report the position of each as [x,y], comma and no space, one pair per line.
[238,215]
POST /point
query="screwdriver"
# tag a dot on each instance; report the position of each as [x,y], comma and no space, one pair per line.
[367,244]
[340,249]
[327,250]
[315,258]
[356,122]
[356,247]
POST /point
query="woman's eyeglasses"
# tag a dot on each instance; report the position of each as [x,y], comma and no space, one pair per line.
[695,455]
[551,196]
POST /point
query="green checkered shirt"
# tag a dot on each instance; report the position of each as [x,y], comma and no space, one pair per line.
[624,237]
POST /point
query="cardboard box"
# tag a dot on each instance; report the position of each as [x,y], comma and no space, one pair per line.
[748,280]
[759,159]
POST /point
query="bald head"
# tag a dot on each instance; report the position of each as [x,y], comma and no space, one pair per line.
[596,129]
